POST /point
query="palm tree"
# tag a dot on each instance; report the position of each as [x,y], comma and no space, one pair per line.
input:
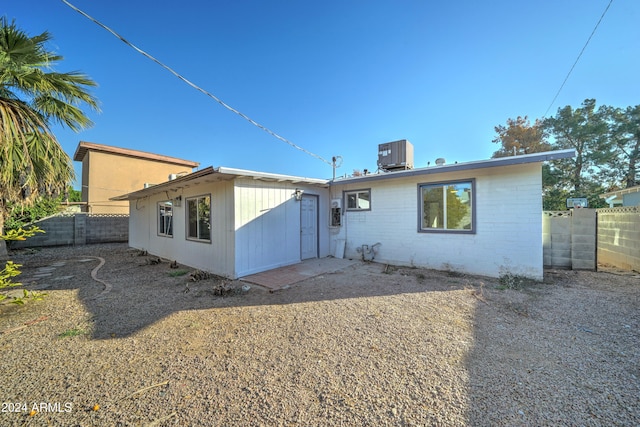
[33,97]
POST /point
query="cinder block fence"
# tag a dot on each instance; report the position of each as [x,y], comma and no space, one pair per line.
[78,229]
[619,237]
[583,238]
[556,239]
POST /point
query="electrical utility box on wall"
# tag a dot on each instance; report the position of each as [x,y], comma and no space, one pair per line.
[336,213]
[396,155]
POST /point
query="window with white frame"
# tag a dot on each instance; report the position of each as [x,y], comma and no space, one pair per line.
[358,200]
[165,219]
[447,207]
[199,218]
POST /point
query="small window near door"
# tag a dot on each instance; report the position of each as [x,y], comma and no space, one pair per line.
[165,219]
[358,200]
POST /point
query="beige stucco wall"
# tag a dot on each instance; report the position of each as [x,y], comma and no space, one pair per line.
[106,175]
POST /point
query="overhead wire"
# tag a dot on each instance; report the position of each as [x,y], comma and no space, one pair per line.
[193,85]
[577,59]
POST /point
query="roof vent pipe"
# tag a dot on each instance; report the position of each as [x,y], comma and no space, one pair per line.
[440,161]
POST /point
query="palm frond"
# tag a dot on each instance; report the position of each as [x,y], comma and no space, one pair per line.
[32,97]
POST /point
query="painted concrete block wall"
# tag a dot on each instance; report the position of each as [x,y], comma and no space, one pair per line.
[59,231]
[583,239]
[78,229]
[508,227]
[105,229]
[556,239]
[267,224]
[619,237]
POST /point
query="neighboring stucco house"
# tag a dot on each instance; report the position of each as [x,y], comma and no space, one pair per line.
[625,197]
[109,171]
[482,217]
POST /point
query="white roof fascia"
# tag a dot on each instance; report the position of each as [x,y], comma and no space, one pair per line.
[478,164]
[270,176]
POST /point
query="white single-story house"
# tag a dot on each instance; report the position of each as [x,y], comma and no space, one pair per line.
[481,217]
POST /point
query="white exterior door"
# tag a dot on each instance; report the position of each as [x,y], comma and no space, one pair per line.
[308,227]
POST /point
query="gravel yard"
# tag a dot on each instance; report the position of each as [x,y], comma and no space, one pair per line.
[368,345]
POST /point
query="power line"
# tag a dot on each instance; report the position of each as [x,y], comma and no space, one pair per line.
[577,59]
[193,85]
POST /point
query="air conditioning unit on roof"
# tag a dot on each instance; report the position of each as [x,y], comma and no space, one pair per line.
[395,155]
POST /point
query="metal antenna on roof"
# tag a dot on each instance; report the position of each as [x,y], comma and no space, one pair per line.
[336,162]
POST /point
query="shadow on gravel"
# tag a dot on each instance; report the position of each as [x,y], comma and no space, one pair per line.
[562,353]
[143,292]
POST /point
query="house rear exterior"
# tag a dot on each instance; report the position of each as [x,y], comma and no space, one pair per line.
[477,217]
[481,217]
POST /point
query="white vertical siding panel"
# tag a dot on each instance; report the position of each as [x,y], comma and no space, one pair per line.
[268,225]
[255,227]
[215,256]
[139,217]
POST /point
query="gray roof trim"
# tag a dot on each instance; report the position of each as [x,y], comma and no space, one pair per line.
[479,164]
[217,174]
[271,176]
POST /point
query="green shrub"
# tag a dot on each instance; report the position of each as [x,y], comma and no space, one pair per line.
[12,269]
[177,273]
[73,332]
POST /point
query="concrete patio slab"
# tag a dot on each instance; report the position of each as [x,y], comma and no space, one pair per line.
[283,277]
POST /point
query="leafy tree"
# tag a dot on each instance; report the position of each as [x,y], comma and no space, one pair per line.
[32,98]
[625,135]
[520,137]
[73,195]
[554,194]
[607,145]
[21,215]
[586,130]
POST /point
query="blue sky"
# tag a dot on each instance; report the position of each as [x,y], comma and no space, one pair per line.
[334,77]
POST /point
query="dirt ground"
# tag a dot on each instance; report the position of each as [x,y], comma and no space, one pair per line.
[132,341]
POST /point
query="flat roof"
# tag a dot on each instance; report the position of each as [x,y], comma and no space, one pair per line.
[478,164]
[84,147]
[211,174]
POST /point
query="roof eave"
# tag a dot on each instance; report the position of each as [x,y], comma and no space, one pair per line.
[224,174]
[84,147]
